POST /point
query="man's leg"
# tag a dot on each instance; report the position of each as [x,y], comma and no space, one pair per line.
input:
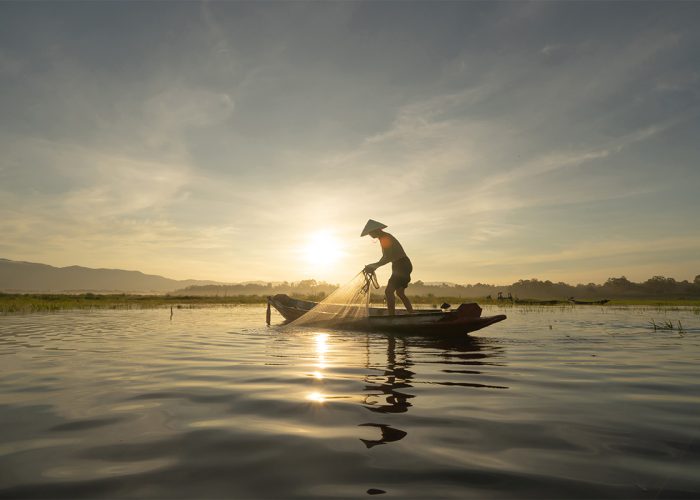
[390,300]
[401,292]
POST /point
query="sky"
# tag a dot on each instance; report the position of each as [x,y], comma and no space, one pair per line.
[238,141]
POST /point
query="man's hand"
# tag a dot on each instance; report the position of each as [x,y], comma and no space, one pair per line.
[370,268]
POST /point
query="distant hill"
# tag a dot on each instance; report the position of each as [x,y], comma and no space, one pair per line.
[31,277]
[28,277]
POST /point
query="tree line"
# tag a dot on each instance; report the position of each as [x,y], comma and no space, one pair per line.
[614,288]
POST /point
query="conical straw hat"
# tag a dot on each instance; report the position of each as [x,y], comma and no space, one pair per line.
[372,225]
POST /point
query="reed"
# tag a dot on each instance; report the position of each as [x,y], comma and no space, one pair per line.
[667,325]
[28,303]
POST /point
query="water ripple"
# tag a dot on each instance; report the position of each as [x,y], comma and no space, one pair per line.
[561,403]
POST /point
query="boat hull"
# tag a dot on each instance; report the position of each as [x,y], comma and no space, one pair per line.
[466,318]
[589,302]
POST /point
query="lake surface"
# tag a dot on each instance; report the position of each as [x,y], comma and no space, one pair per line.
[572,402]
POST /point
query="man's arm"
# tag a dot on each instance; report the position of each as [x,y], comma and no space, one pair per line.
[384,260]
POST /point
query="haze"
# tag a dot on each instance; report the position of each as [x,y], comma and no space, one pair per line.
[231,141]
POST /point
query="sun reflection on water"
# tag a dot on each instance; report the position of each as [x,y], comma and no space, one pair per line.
[321,348]
[316,397]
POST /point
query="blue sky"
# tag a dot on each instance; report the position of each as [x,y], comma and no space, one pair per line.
[234,141]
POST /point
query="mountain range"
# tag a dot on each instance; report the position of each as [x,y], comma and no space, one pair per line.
[22,277]
[29,277]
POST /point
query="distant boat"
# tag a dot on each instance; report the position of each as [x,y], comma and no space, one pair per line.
[589,302]
[466,318]
[536,302]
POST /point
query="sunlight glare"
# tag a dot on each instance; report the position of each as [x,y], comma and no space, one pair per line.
[321,343]
[323,250]
[321,349]
[316,397]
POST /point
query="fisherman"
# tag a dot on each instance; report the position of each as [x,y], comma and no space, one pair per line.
[401,266]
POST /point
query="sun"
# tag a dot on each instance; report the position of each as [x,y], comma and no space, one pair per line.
[322,250]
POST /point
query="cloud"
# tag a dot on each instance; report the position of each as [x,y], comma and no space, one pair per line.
[9,65]
[477,127]
[582,261]
[94,183]
[170,113]
[557,160]
[548,50]
[589,250]
[678,81]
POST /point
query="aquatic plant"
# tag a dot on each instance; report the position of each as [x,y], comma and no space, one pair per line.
[29,303]
[667,325]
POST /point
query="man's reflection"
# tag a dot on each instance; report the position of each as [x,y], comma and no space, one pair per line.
[388,389]
[385,395]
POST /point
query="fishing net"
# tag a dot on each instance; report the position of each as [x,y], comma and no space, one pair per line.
[349,302]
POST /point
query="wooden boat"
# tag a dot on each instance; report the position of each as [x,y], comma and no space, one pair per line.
[466,318]
[589,302]
[537,302]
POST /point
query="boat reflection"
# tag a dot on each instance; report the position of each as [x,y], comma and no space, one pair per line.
[392,372]
[384,389]
[389,434]
[389,391]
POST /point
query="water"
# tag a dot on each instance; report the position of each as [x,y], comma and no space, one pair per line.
[552,403]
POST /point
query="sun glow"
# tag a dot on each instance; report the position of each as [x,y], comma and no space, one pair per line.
[323,250]
[321,349]
[321,340]
[316,397]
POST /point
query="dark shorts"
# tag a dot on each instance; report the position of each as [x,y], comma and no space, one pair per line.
[401,272]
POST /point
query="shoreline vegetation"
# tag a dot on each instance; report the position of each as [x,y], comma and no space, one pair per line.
[29,303]
[658,291]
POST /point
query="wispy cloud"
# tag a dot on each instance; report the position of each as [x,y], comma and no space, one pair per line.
[168,115]
[479,134]
[95,183]
[556,160]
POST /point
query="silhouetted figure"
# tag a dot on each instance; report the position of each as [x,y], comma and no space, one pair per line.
[396,376]
[401,266]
